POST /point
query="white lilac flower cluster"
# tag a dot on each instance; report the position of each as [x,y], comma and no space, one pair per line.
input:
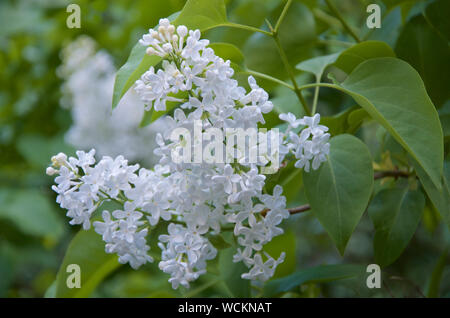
[312,145]
[87,91]
[198,200]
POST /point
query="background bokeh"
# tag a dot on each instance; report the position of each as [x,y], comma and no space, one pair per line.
[37,112]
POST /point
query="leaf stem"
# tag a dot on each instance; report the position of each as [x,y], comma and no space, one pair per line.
[316,94]
[290,71]
[302,87]
[281,18]
[342,20]
[284,59]
[268,77]
[244,27]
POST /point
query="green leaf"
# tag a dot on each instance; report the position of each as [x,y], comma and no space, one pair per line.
[51,290]
[218,242]
[440,197]
[393,94]
[137,64]
[31,212]
[147,118]
[202,14]
[317,65]
[395,213]
[229,52]
[350,58]
[291,181]
[323,273]
[355,119]
[88,251]
[347,121]
[339,190]
[391,25]
[436,276]
[284,101]
[422,47]
[196,14]
[283,243]
[231,272]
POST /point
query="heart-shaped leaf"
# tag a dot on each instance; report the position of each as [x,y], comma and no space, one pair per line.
[339,190]
[393,94]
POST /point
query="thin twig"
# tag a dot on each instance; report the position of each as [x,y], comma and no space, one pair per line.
[243,27]
[316,94]
[393,173]
[268,77]
[284,58]
[281,18]
[342,20]
[291,74]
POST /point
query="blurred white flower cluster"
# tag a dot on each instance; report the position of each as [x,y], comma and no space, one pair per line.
[87,92]
[198,200]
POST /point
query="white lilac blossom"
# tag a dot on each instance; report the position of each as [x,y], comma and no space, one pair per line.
[87,91]
[311,147]
[198,200]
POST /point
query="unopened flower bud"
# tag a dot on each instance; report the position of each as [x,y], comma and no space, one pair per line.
[161,29]
[182,31]
[51,171]
[164,22]
[59,160]
[150,51]
[154,34]
[167,47]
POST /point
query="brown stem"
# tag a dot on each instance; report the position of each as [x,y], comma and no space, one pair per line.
[379,175]
[394,173]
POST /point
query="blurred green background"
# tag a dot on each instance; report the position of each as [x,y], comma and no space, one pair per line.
[34,233]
